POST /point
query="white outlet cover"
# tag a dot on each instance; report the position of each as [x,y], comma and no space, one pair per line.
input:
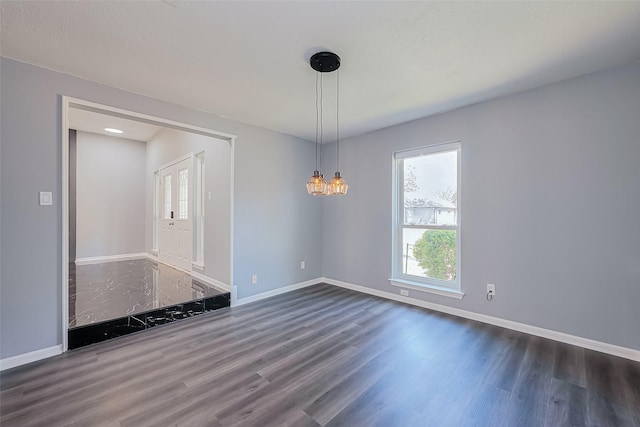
[46,198]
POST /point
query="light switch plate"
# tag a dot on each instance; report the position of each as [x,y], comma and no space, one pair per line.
[46,198]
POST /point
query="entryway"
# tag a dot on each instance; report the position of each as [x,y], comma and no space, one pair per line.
[136,250]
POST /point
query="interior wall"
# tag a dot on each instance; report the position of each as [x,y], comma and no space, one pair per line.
[550,200]
[274,216]
[110,190]
[276,224]
[170,144]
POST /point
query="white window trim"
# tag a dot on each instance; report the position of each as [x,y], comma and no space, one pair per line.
[430,285]
[432,289]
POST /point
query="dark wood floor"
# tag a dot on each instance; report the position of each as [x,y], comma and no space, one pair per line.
[325,356]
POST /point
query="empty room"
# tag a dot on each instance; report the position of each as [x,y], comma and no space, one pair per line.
[319,213]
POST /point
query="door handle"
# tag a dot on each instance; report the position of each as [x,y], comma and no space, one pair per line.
[171,214]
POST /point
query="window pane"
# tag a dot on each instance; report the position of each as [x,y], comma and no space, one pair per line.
[183,177]
[430,189]
[156,207]
[167,196]
[429,253]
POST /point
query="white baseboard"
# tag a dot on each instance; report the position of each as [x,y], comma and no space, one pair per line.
[274,292]
[211,281]
[206,279]
[109,258]
[627,353]
[33,356]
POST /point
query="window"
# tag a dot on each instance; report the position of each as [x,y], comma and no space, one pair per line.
[167,197]
[183,194]
[427,219]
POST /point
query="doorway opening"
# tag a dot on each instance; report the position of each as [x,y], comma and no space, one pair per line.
[136,220]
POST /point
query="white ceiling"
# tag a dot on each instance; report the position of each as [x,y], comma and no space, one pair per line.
[90,121]
[249,60]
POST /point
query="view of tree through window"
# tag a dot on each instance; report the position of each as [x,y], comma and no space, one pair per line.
[428,222]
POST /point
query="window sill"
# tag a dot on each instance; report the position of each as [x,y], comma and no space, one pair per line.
[432,289]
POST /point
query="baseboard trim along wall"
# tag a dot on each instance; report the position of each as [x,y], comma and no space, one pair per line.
[627,353]
[109,258]
[33,356]
[206,279]
[236,302]
[210,281]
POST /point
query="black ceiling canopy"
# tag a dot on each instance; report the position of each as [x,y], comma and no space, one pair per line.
[325,62]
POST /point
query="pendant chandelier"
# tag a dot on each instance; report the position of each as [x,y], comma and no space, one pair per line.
[326,62]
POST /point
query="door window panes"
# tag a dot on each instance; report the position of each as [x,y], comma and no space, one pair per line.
[183,196]
[167,196]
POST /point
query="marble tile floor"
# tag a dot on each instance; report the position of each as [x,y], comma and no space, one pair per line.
[115,328]
[112,290]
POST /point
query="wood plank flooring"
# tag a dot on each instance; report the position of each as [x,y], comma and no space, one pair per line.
[324,356]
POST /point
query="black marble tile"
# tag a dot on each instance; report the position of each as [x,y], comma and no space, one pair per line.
[218,301]
[102,331]
[98,332]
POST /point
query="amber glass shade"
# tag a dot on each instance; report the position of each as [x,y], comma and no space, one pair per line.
[338,185]
[317,185]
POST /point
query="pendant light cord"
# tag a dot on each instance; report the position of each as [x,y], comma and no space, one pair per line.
[321,119]
[338,121]
[317,118]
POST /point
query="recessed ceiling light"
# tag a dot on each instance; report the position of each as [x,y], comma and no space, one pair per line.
[112,130]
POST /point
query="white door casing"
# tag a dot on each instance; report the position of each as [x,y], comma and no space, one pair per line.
[175,237]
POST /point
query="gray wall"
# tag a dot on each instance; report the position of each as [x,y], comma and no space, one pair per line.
[550,206]
[170,144]
[276,224]
[286,223]
[110,190]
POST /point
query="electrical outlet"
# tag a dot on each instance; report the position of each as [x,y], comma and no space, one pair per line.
[254,279]
[491,289]
[404,292]
[302,265]
[46,198]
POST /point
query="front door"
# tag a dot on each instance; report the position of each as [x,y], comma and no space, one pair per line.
[175,237]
